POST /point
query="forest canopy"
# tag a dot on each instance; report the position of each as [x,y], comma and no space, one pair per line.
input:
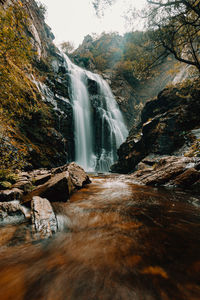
[173,27]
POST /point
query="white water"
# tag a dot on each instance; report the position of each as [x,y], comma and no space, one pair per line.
[95,149]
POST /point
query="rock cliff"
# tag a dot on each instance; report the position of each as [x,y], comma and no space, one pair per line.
[170,125]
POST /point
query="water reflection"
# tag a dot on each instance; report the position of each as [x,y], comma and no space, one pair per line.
[116,241]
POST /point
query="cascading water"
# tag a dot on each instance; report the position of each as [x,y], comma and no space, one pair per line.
[84,154]
[98,123]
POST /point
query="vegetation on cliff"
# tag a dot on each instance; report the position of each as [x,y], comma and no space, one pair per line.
[128,55]
[18,94]
[26,122]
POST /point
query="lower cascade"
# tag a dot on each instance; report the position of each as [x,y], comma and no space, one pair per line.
[99,126]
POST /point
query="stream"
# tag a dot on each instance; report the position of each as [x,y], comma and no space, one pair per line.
[116,241]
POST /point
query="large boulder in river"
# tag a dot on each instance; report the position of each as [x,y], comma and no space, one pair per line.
[64,180]
[58,188]
[43,218]
[78,176]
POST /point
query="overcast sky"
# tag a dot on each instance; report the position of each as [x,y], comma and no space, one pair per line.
[71,20]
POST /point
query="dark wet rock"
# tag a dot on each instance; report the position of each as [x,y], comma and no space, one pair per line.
[170,170]
[92,86]
[169,126]
[9,195]
[13,212]
[187,178]
[41,179]
[43,218]
[196,186]
[58,188]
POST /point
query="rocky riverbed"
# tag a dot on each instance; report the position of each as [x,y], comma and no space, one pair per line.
[31,196]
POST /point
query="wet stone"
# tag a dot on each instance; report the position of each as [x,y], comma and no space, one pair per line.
[43,218]
[12,212]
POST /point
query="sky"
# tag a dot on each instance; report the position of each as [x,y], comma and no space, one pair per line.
[71,20]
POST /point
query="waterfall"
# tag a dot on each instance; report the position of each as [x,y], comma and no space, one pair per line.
[99,126]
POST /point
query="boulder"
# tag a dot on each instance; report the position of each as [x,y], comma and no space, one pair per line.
[13,212]
[78,176]
[64,180]
[170,170]
[58,188]
[43,218]
[9,195]
[187,178]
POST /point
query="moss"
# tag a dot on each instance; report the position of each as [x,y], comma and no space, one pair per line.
[7,178]
[4,185]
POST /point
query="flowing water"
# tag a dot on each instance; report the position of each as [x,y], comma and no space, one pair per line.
[116,240]
[99,126]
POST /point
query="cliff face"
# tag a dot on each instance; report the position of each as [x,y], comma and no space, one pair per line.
[132,95]
[46,133]
[170,125]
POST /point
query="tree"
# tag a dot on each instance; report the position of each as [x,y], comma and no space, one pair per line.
[100,5]
[175,27]
[67,47]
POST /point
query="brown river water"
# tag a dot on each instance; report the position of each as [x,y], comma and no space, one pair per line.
[116,241]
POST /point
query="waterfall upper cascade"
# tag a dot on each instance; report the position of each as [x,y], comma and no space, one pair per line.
[98,123]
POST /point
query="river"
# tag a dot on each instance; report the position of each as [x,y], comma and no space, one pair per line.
[116,241]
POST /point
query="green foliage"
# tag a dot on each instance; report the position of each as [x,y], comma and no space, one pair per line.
[104,51]
[129,55]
